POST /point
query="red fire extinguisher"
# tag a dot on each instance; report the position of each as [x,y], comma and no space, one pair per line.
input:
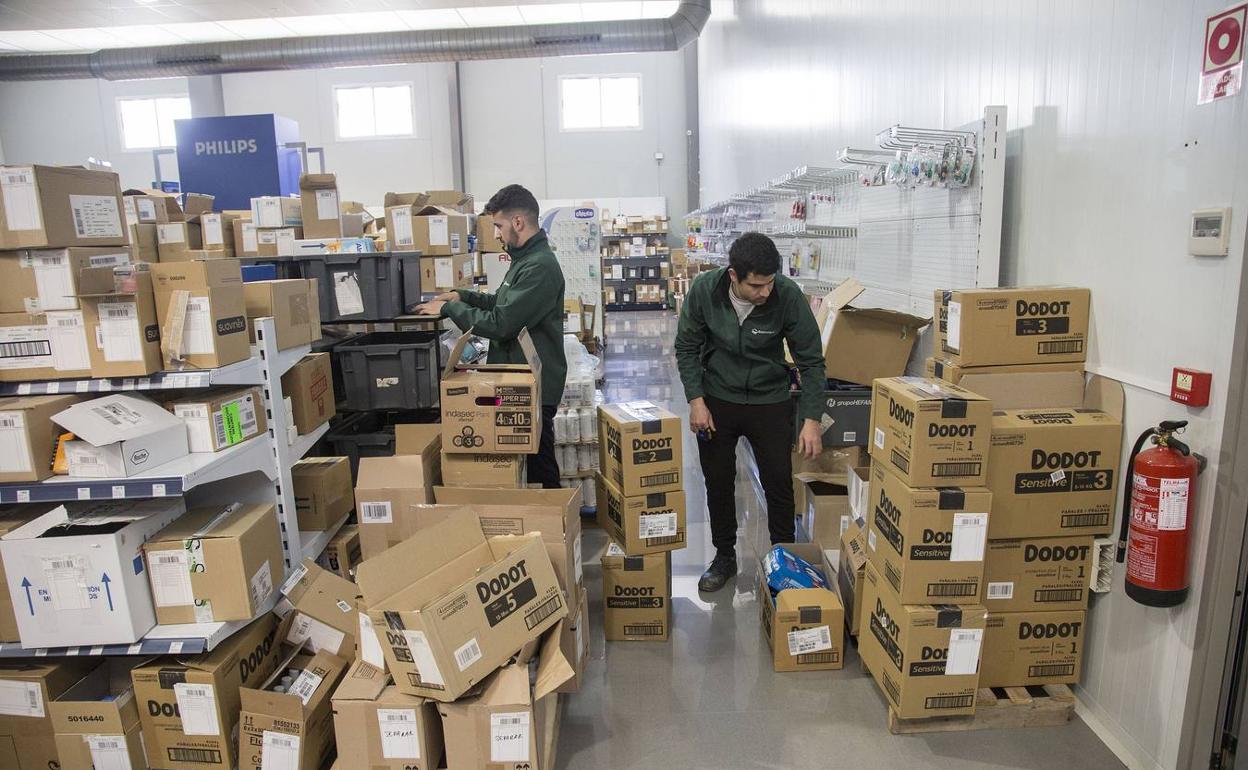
[1156,516]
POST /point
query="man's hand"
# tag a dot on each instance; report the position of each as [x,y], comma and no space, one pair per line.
[810,440]
[448,296]
[700,417]
[433,307]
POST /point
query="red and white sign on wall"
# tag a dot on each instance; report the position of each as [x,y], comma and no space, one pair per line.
[1222,71]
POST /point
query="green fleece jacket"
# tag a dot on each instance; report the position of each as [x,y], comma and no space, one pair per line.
[531,296]
[743,363]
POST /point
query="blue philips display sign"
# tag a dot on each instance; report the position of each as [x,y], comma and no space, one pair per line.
[238,157]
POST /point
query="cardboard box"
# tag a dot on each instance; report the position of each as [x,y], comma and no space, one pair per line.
[451,199]
[217,232]
[928,543]
[1022,649]
[80,573]
[859,491]
[12,517]
[318,195]
[446,273]
[219,419]
[155,207]
[292,303]
[343,552]
[51,346]
[214,332]
[60,206]
[846,417]
[834,462]
[386,488]
[275,211]
[849,573]
[491,407]
[453,606]
[949,371]
[192,703]
[318,610]
[861,345]
[323,492]
[97,721]
[122,327]
[216,563]
[434,231]
[381,727]
[39,280]
[640,448]
[1038,575]
[119,436]
[924,657]
[246,241]
[27,733]
[310,386]
[296,728]
[642,524]
[574,635]
[144,245]
[804,626]
[277,242]
[487,241]
[483,470]
[1027,325]
[637,596]
[931,433]
[177,241]
[29,435]
[823,508]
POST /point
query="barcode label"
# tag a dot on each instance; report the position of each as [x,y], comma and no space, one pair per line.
[24,349]
[376,513]
[879,438]
[218,428]
[1056,669]
[952,589]
[85,459]
[279,751]
[542,611]
[120,310]
[893,576]
[673,540]
[818,658]
[660,479]
[400,738]
[948,470]
[200,756]
[950,702]
[10,421]
[809,640]
[305,685]
[1059,595]
[513,440]
[1000,590]
[1075,520]
[643,629]
[899,461]
[293,580]
[468,654]
[1059,348]
[656,525]
[891,687]
[509,737]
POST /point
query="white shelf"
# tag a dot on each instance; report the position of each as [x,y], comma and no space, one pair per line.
[305,441]
[314,542]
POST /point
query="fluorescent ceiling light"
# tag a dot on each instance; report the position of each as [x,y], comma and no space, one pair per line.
[492,16]
[611,11]
[31,40]
[146,34]
[658,9]
[87,39]
[555,13]
[438,18]
[256,29]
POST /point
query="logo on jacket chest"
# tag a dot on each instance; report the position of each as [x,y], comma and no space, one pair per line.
[756,331]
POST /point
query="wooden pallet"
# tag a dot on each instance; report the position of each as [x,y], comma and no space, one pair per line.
[997,708]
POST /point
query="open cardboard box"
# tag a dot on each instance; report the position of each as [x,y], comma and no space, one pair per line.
[492,407]
[860,344]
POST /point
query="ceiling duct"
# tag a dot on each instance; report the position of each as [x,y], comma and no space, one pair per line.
[374,48]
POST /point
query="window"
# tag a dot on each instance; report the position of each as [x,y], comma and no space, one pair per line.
[366,112]
[148,123]
[611,102]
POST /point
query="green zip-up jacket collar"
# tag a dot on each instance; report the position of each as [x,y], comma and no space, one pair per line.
[530,296]
[744,363]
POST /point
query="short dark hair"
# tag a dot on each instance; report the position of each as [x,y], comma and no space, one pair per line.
[753,253]
[511,198]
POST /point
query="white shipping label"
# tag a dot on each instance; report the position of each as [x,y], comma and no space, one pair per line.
[66,578]
[370,645]
[402,220]
[96,216]
[347,293]
[871,538]
[422,656]
[109,260]
[279,751]
[295,576]
[261,585]
[656,525]
[1172,507]
[964,644]
[174,232]
[21,699]
[249,237]
[211,227]
[509,737]
[286,243]
[197,331]
[54,280]
[953,335]
[376,513]
[614,550]
[326,204]
[439,231]
[109,752]
[170,578]
[197,703]
[306,684]
[315,635]
[21,198]
[131,212]
[1000,591]
[400,736]
[25,347]
[119,333]
[970,531]
[68,333]
[16,455]
[468,654]
[809,640]
[455,243]
[879,438]
[444,273]
[146,209]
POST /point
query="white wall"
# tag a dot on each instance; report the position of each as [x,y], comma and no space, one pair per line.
[1107,154]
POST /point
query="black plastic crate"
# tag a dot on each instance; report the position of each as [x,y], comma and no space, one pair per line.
[364,287]
[391,370]
[370,434]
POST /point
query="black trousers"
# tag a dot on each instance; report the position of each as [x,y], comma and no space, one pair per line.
[543,468]
[769,429]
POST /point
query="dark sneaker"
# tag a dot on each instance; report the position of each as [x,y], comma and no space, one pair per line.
[722,569]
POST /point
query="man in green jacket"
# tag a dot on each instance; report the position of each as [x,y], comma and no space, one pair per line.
[531,296]
[730,352]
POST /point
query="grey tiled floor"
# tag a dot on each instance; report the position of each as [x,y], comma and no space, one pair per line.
[708,697]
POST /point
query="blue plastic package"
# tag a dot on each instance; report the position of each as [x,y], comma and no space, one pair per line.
[784,569]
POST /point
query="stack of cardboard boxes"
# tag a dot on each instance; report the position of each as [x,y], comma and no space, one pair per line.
[435,223]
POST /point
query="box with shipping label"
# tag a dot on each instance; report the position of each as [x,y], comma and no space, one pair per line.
[323,492]
[203,316]
[310,386]
[386,488]
[1023,325]
[318,610]
[637,596]
[849,574]
[451,199]
[12,517]
[1038,575]
[155,207]
[319,209]
[845,417]
[293,305]
[122,326]
[39,280]
[191,704]
[823,508]
[861,345]
[178,241]
[276,211]
[931,433]
[219,419]
[804,626]
[434,231]
[446,273]
[60,206]
[97,721]
[928,543]
[215,564]
[292,728]
[453,606]
[942,369]
[29,435]
[924,657]
[44,346]
[217,232]
[381,727]
[342,553]
[277,242]
[246,240]
[27,731]
[1033,648]
[78,572]
[640,448]
[483,470]
[492,407]
[120,435]
[642,524]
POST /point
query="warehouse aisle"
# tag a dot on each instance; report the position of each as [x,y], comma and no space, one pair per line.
[708,698]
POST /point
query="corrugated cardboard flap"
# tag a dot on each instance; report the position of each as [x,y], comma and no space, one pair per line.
[530,353]
[36,527]
[502,546]
[420,569]
[412,199]
[101,282]
[553,667]
[213,522]
[317,181]
[839,298]
[363,682]
[895,317]
[457,352]
[809,477]
[436,211]
[1030,390]
[86,421]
